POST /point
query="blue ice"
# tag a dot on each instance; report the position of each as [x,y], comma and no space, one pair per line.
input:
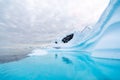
[93,54]
[104,35]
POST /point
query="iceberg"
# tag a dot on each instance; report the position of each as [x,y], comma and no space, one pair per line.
[38,52]
[97,34]
[92,53]
[91,35]
[104,35]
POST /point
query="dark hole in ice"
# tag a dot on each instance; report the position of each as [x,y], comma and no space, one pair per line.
[67,38]
[55,42]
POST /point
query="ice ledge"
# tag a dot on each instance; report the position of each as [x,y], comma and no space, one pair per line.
[107,53]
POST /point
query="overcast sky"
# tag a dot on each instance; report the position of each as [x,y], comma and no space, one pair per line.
[29,21]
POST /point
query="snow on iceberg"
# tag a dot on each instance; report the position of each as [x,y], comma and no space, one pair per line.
[102,38]
[92,34]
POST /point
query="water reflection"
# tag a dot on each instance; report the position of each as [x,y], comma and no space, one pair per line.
[55,66]
[66,60]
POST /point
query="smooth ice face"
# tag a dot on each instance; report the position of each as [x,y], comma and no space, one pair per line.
[36,21]
[105,32]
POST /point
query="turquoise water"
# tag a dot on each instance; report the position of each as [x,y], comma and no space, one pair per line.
[101,62]
[61,66]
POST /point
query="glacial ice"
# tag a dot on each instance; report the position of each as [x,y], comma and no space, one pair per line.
[94,34]
[103,36]
[28,22]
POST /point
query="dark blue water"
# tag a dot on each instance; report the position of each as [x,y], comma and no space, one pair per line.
[61,66]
